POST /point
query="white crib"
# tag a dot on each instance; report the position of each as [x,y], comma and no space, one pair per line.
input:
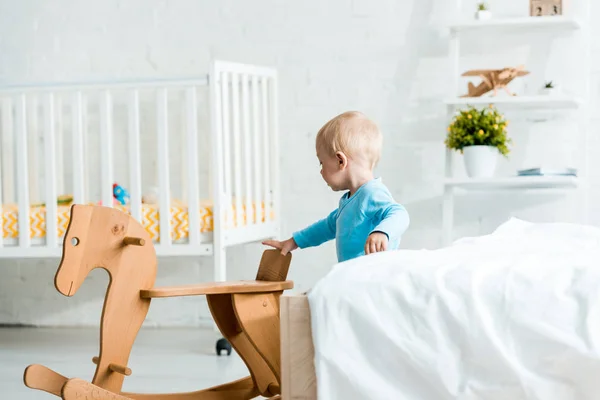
[198,156]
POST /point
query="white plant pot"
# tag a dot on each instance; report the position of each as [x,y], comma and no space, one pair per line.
[480,161]
[549,92]
[483,15]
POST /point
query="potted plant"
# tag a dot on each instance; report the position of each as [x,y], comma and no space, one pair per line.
[480,135]
[549,88]
[483,13]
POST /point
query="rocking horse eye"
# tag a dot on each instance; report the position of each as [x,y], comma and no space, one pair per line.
[75,241]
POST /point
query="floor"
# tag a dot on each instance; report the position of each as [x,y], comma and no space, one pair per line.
[162,360]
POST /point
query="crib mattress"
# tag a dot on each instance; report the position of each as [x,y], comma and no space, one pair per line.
[150,219]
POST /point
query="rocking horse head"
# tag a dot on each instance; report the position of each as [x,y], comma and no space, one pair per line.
[100,237]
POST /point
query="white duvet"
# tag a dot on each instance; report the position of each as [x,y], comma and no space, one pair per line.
[513,315]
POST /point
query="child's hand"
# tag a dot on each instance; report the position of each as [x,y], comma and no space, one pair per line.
[285,246]
[376,242]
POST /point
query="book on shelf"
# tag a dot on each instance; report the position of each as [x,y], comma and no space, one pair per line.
[541,171]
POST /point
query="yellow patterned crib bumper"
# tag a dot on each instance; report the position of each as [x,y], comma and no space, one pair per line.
[179,220]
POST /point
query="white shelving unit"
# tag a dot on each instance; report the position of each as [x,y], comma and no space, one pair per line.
[554,102]
[519,23]
[580,103]
[517,182]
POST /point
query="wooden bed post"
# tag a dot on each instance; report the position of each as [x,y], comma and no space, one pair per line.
[298,378]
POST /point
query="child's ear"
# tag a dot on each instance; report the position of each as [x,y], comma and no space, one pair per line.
[342,159]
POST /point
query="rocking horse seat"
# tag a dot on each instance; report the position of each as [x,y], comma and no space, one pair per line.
[217,288]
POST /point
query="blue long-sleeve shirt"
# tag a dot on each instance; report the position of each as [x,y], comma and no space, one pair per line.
[371,209]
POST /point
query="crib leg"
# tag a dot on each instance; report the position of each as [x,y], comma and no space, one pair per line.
[219,268]
[220,274]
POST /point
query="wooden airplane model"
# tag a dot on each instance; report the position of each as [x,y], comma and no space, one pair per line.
[493,79]
[246,312]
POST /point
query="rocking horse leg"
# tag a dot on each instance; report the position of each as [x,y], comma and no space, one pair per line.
[242,389]
[223,312]
[38,377]
[258,315]
[76,389]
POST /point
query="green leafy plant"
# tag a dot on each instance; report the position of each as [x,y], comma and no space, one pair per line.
[549,85]
[482,7]
[473,127]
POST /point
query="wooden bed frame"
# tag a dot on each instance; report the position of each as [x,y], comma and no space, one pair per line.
[298,378]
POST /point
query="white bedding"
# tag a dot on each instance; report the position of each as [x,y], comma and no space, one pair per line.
[513,315]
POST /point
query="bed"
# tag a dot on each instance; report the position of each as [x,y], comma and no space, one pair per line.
[510,315]
[197,157]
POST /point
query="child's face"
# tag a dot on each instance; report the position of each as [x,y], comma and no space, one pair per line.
[333,170]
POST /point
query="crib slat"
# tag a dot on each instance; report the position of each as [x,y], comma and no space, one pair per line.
[4,153]
[8,148]
[257,151]
[247,146]
[60,174]
[217,173]
[106,174]
[50,173]
[135,178]
[85,144]
[226,146]
[22,171]
[237,150]
[1,196]
[34,190]
[266,143]
[192,166]
[274,143]
[1,207]
[183,150]
[77,143]
[163,168]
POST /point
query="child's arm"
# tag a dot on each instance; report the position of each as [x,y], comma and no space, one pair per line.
[314,235]
[318,233]
[391,221]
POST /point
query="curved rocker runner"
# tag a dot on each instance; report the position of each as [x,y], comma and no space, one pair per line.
[246,312]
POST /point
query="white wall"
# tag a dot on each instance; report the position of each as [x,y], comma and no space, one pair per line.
[386,58]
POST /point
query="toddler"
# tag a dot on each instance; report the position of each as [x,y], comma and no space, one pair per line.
[367,220]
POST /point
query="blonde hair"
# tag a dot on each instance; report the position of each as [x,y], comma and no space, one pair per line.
[353,134]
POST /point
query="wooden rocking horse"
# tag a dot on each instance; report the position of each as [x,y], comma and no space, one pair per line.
[246,312]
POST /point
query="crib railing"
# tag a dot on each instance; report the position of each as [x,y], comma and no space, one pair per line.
[71,139]
[245,148]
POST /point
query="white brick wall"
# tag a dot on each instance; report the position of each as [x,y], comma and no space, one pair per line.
[386,58]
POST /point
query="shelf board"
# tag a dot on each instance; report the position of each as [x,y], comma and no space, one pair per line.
[515,182]
[548,22]
[529,102]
